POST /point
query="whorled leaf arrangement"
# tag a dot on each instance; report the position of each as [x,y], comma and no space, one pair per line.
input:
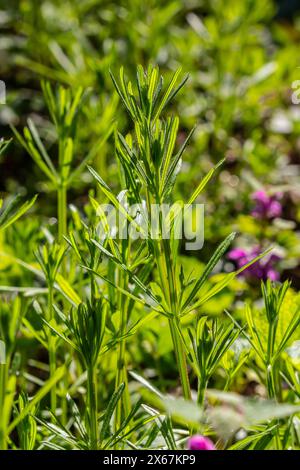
[99,290]
[149,165]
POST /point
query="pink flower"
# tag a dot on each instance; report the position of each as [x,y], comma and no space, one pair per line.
[198,442]
[238,254]
[274,210]
[266,207]
[261,269]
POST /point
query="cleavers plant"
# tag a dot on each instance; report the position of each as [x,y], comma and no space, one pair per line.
[103,288]
[149,164]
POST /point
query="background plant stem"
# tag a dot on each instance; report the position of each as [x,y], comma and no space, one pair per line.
[3,388]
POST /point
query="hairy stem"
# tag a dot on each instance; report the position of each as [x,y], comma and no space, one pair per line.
[180,358]
[62,211]
[202,384]
[52,351]
[121,375]
[62,230]
[92,407]
[166,272]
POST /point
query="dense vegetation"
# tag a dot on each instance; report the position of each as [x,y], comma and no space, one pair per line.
[120,342]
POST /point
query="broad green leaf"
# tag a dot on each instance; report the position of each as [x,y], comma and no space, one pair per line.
[188,410]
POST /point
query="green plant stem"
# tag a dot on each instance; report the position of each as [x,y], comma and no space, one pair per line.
[3,391]
[202,384]
[52,363]
[180,358]
[166,271]
[270,379]
[62,231]
[164,262]
[121,375]
[62,211]
[93,289]
[227,383]
[92,406]
[52,351]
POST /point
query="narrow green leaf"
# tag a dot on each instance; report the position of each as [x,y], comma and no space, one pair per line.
[223,283]
[170,93]
[19,212]
[222,248]
[116,396]
[204,182]
[58,375]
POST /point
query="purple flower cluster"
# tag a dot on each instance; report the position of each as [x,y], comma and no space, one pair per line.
[198,442]
[262,269]
[266,207]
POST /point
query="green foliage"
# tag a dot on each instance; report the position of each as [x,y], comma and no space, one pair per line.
[116,342]
[87,327]
[12,211]
[270,343]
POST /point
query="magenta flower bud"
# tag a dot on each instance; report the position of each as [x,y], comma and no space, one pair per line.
[199,442]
